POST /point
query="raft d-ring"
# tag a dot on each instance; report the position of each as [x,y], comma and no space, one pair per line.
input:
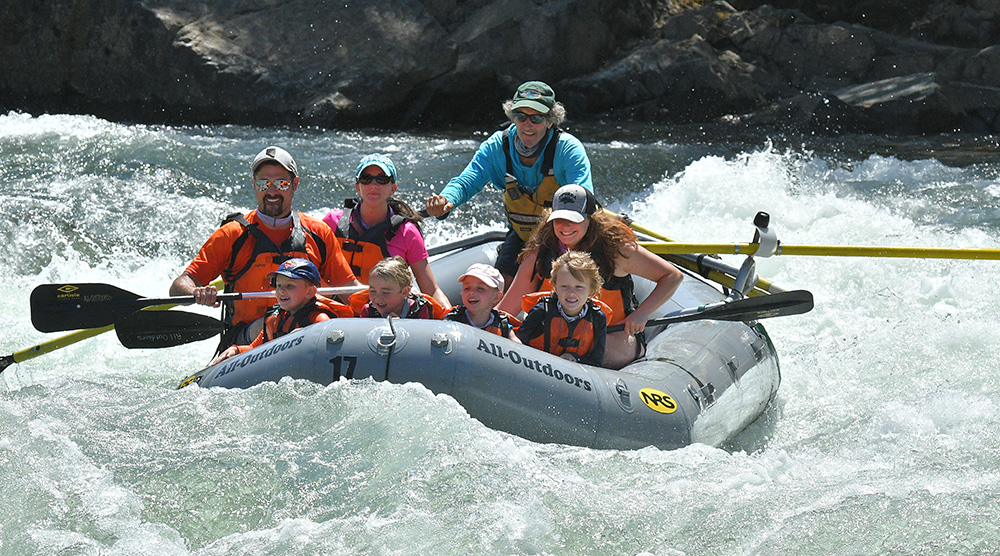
[441,340]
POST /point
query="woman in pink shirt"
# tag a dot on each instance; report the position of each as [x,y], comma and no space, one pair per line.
[377,226]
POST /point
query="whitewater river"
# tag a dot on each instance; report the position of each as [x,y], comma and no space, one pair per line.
[883,438]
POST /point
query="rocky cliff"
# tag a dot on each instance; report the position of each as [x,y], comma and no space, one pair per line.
[918,67]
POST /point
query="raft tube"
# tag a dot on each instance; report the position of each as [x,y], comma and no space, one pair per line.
[702,381]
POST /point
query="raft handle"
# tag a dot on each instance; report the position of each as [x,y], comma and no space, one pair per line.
[335,337]
[624,398]
[441,340]
[733,365]
[704,396]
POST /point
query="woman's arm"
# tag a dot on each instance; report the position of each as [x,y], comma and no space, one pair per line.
[425,280]
[520,286]
[638,261]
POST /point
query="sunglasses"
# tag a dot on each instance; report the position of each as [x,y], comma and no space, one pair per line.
[380,179]
[535,118]
[263,185]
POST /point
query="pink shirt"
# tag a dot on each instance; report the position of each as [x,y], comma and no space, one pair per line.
[407,243]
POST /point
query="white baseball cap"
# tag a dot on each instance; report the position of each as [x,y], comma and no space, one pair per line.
[489,275]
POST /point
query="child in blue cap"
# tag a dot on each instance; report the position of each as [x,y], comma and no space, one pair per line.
[295,283]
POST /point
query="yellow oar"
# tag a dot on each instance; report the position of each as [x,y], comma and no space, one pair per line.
[825,250]
[762,287]
[69,339]
[51,345]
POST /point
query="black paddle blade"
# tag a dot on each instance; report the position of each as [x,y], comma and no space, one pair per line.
[160,329]
[781,304]
[56,307]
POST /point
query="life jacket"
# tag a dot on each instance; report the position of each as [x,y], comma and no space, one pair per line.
[501,324]
[264,257]
[617,292]
[422,306]
[363,248]
[524,208]
[560,336]
[279,322]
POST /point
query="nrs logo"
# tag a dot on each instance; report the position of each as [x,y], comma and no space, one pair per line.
[658,401]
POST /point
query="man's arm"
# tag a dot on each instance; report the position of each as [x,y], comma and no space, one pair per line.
[185,284]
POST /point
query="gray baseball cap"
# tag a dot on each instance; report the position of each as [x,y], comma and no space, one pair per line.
[276,154]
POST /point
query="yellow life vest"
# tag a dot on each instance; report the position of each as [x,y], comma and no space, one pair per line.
[523,208]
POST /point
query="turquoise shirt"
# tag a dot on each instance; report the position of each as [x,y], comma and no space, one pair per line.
[489,165]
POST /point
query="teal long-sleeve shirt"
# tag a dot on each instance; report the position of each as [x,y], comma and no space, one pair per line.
[489,165]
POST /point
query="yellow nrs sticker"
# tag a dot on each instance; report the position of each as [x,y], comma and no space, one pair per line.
[657,401]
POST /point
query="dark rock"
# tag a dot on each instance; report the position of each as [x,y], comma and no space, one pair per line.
[910,104]
[815,113]
[407,63]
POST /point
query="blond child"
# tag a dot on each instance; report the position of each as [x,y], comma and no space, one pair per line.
[390,293]
[482,289]
[295,283]
[568,322]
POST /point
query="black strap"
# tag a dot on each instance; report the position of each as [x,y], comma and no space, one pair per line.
[548,156]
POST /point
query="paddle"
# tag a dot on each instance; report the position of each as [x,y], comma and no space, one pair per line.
[50,345]
[782,304]
[825,250]
[65,340]
[160,329]
[56,307]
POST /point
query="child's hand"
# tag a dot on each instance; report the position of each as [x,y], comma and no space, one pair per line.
[230,351]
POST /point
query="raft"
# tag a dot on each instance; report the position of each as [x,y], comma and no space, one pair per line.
[700,382]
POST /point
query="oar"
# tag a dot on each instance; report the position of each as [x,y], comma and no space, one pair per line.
[825,250]
[160,329]
[708,267]
[66,340]
[56,307]
[50,346]
[783,304]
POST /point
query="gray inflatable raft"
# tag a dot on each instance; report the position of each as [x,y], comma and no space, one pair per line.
[701,381]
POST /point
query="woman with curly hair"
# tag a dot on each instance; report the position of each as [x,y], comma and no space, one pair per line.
[576,224]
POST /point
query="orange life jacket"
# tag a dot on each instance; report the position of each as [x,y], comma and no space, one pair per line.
[264,258]
[364,248]
[618,292]
[422,306]
[560,336]
[501,324]
[281,322]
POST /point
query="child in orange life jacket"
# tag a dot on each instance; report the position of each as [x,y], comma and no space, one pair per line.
[482,289]
[568,322]
[389,293]
[295,282]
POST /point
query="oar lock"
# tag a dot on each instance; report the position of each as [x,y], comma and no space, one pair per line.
[767,245]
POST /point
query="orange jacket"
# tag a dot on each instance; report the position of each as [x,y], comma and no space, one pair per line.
[281,322]
[422,306]
[546,329]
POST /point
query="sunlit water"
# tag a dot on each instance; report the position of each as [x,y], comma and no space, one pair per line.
[883,438]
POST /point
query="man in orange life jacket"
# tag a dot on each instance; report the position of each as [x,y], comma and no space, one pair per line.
[247,247]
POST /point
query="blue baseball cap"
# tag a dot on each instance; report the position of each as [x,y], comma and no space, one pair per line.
[380,160]
[297,268]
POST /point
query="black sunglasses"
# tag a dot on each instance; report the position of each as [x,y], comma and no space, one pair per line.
[535,118]
[380,179]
